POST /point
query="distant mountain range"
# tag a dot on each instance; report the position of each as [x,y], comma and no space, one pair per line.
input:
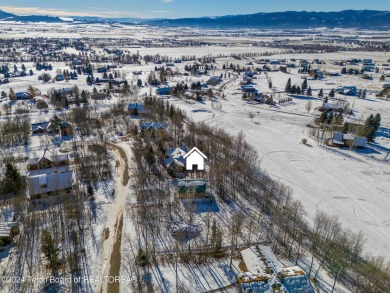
[360,19]
[364,19]
[5,16]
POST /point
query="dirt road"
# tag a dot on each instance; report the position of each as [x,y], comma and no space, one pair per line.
[111,254]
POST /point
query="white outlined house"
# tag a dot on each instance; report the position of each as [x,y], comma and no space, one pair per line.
[195,160]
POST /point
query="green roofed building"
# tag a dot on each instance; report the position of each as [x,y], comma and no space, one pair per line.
[191,188]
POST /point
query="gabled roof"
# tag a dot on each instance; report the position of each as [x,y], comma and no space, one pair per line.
[48,155]
[42,125]
[49,182]
[176,152]
[156,125]
[134,106]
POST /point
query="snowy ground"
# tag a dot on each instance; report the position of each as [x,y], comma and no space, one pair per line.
[350,185]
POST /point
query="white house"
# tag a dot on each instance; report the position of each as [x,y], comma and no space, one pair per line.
[195,160]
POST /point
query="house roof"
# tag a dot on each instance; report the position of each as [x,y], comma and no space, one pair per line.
[134,106]
[49,182]
[176,152]
[195,149]
[42,125]
[6,222]
[48,155]
[175,156]
[156,125]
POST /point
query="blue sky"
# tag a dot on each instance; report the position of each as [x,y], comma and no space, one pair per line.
[179,8]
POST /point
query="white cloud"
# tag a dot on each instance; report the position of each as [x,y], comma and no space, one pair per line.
[98,12]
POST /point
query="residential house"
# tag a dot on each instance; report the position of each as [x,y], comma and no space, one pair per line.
[22,96]
[174,161]
[64,91]
[102,70]
[152,129]
[163,91]
[347,140]
[64,128]
[136,109]
[48,173]
[117,81]
[47,160]
[46,184]
[60,77]
[77,62]
[348,90]
[8,225]
[37,128]
[248,89]
[192,189]
[336,107]
[214,80]
[368,62]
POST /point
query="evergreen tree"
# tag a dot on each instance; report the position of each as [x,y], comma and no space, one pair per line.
[12,181]
[371,134]
[304,85]
[326,100]
[323,117]
[50,250]
[376,123]
[344,70]
[321,93]
[331,94]
[309,92]
[287,89]
[364,94]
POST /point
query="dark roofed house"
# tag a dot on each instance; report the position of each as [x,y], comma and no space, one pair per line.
[152,129]
[37,128]
[60,77]
[164,91]
[22,96]
[64,91]
[117,81]
[136,109]
[102,69]
[348,90]
[214,80]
